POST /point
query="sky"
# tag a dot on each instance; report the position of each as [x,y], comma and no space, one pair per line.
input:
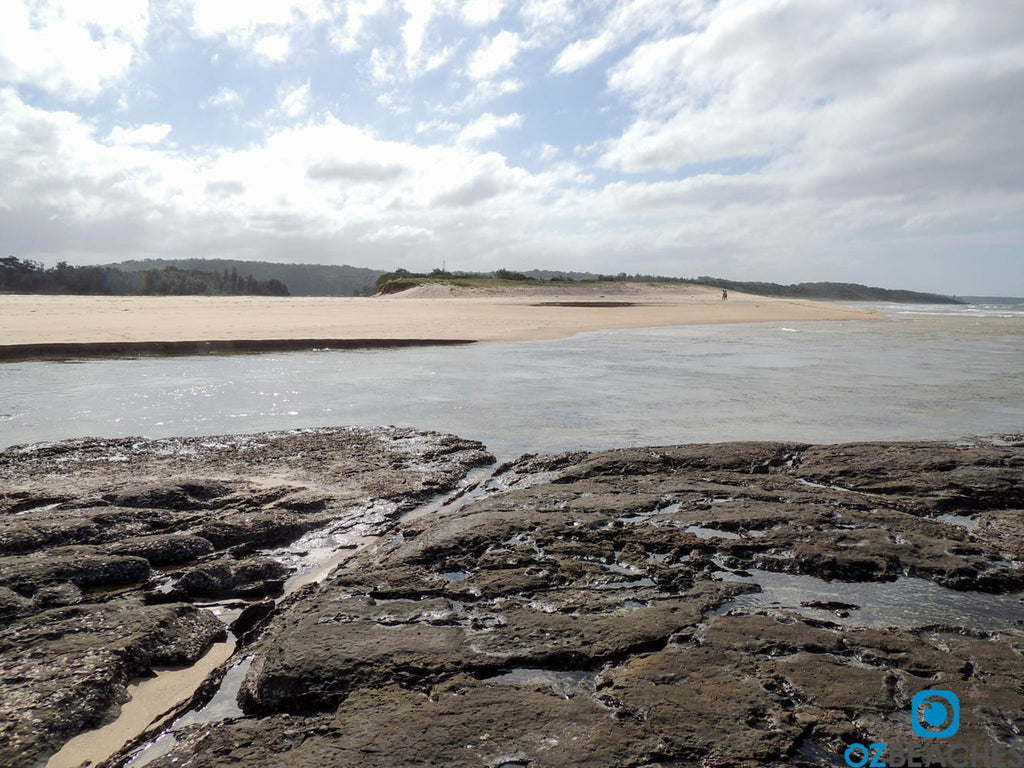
[784,140]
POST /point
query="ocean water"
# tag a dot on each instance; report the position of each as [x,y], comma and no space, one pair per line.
[979,308]
[923,375]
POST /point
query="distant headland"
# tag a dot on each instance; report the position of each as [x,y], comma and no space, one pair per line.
[26,276]
[399,280]
[226,277]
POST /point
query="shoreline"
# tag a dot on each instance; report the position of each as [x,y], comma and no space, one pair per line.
[43,327]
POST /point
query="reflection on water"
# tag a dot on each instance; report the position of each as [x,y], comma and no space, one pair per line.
[222,706]
[817,382]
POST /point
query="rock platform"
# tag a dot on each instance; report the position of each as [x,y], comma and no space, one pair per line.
[738,604]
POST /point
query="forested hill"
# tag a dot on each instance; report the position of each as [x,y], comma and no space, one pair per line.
[301,279]
[17,276]
[835,291]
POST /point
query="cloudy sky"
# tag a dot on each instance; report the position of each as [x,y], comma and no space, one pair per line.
[787,140]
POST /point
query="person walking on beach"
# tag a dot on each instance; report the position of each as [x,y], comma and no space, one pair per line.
[725,294]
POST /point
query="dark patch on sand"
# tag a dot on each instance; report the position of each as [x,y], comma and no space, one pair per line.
[104,349]
[584,304]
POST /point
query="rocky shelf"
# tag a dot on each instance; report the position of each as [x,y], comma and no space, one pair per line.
[734,604]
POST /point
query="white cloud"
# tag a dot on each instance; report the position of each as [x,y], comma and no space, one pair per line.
[419,57]
[224,188]
[544,16]
[414,30]
[768,81]
[625,22]
[487,91]
[399,233]
[548,152]
[294,102]
[482,178]
[439,59]
[484,92]
[70,48]
[788,136]
[306,186]
[495,56]
[383,65]
[479,13]
[151,133]
[435,125]
[273,48]
[349,36]
[224,97]
[394,101]
[487,126]
[581,54]
[708,135]
[263,27]
[239,21]
[415,56]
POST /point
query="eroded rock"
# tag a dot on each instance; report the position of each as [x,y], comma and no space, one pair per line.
[66,670]
[622,565]
[615,608]
[102,541]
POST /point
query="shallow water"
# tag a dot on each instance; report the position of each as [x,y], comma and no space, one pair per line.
[921,378]
[222,706]
[931,378]
[904,603]
[565,683]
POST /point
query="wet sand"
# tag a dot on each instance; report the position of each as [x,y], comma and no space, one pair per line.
[114,325]
[150,699]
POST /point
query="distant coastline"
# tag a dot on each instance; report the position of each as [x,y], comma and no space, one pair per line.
[26,276]
[235,277]
[400,280]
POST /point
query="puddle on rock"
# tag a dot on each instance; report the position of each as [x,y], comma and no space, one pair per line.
[314,564]
[40,508]
[476,484]
[905,603]
[644,582]
[841,489]
[963,521]
[702,532]
[644,517]
[224,703]
[618,567]
[566,683]
[222,706]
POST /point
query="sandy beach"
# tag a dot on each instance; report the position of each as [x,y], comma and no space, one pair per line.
[434,313]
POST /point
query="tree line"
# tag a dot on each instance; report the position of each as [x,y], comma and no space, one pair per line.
[301,279]
[26,276]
